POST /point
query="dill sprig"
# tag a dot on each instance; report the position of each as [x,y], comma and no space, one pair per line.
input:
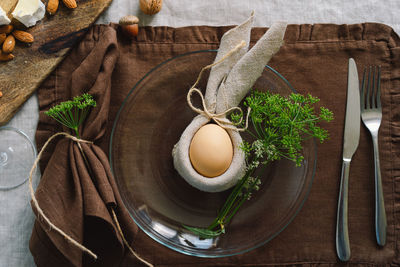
[72,113]
[279,126]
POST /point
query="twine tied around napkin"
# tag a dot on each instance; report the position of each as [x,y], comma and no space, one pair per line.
[41,216]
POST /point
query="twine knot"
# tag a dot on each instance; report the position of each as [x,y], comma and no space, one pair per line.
[218,118]
[78,140]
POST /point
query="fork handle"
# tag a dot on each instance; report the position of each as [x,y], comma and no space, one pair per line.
[380,214]
[342,233]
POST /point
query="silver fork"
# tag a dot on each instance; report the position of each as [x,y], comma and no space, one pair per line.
[371,115]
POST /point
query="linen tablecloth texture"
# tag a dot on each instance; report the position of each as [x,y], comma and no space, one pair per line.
[313,59]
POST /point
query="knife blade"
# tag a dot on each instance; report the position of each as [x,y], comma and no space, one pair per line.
[350,143]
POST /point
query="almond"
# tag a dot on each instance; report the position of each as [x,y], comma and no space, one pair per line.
[22,36]
[52,6]
[70,3]
[5,57]
[3,36]
[9,44]
[6,29]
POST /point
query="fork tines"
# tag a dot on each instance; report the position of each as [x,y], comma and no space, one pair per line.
[371,89]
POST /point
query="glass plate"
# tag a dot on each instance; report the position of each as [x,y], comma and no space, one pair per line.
[149,123]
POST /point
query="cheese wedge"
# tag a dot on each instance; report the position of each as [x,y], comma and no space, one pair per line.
[4,20]
[28,12]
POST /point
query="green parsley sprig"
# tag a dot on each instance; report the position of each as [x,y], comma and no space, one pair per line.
[279,126]
[72,113]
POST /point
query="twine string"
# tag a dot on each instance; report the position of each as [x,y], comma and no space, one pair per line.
[230,53]
[43,218]
[36,203]
[219,118]
[126,242]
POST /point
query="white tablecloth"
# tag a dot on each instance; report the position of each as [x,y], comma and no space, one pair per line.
[16,218]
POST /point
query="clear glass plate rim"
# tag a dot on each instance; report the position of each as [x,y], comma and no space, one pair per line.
[161,239]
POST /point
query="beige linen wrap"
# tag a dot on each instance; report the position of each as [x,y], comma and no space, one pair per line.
[228,83]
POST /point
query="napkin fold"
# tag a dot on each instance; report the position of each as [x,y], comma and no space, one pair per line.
[249,67]
[228,42]
[77,200]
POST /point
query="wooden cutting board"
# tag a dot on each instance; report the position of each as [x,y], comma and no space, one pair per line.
[54,37]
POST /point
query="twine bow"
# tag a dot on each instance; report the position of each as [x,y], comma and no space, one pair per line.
[219,118]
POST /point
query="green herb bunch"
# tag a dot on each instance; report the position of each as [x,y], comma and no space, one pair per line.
[72,113]
[279,126]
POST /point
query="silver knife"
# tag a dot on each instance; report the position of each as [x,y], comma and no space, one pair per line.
[350,143]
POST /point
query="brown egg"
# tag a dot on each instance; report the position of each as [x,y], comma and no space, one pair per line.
[211,150]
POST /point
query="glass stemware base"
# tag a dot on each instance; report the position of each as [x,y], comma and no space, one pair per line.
[17,154]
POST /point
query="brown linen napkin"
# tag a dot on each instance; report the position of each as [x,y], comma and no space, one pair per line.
[72,199]
[313,59]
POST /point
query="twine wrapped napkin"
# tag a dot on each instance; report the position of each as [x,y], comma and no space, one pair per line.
[232,75]
[313,59]
[77,202]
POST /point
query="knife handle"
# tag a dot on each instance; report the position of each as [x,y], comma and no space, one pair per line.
[342,233]
[380,214]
